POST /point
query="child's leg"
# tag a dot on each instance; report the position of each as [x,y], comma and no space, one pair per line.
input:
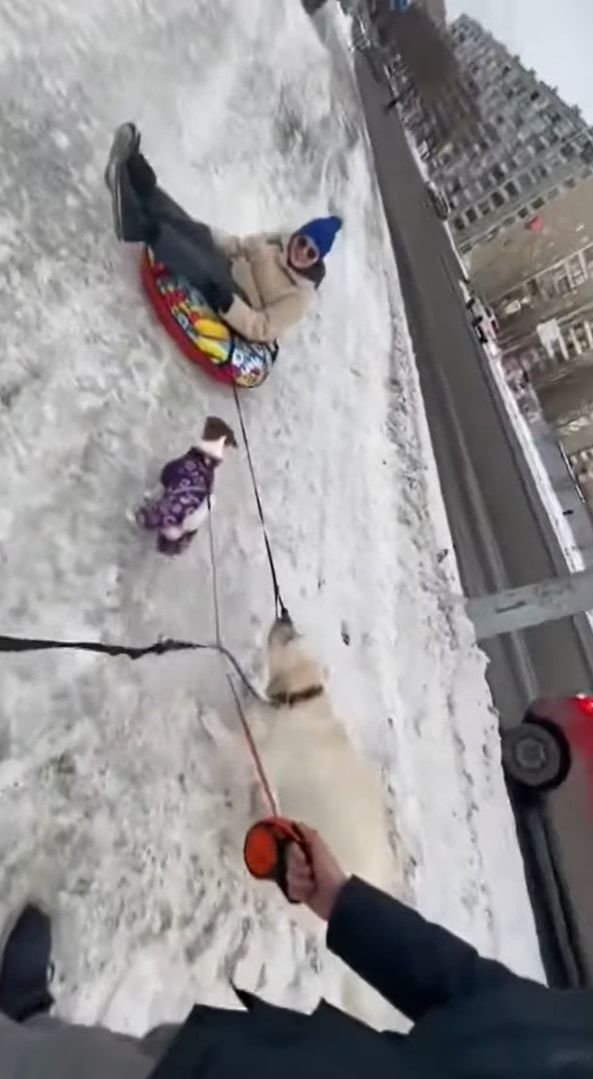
[131,221]
[188,248]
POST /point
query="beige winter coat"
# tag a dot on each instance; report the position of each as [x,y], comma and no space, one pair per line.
[278,296]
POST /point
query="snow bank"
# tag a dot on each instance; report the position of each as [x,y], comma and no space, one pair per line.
[124,786]
[564,533]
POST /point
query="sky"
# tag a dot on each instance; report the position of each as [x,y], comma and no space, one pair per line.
[552,36]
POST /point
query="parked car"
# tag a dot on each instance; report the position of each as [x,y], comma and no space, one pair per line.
[438,199]
[539,753]
[548,761]
[483,319]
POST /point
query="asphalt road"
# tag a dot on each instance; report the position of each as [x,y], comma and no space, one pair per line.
[501,533]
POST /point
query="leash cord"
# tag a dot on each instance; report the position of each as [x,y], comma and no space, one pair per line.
[216,605]
[273,806]
[238,704]
[161,648]
[279,605]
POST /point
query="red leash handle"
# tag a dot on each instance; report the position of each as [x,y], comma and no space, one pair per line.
[266,850]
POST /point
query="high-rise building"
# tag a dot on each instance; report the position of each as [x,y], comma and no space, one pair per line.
[528,147]
[538,277]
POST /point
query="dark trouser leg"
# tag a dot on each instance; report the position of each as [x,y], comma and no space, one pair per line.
[135,221]
[189,249]
[184,246]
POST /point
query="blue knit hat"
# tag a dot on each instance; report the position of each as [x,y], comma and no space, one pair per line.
[322,231]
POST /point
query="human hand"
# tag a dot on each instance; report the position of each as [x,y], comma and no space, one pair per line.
[314,877]
[218,297]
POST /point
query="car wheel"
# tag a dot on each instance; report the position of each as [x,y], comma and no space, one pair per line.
[535,755]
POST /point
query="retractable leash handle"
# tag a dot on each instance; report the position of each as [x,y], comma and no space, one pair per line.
[266,850]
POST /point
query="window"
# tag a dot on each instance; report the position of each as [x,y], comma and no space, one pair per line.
[484,208]
[459,223]
[547,285]
[525,180]
[578,338]
[571,182]
[552,193]
[538,203]
[533,289]
[498,174]
[512,302]
[562,282]
[576,270]
[497,199]
[568,150]
[534,96]
[524,212]
[508,221]
[588,259]
[471,215]
[511,189]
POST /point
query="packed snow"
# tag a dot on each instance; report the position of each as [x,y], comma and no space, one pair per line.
[124,786]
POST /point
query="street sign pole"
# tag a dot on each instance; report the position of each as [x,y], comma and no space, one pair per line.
[515,609]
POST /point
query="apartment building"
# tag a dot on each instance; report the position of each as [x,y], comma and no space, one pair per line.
[528,148]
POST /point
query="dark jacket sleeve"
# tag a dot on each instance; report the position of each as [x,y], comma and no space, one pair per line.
[415,965]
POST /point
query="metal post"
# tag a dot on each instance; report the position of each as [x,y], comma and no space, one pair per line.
[531,605]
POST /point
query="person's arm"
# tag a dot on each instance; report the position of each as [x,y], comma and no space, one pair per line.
[267,323]
[415,965]
[231,245]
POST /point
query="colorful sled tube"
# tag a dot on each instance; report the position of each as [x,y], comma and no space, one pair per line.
[199,333]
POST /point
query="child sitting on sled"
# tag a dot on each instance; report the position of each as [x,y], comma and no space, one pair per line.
[187,496]
[258,285]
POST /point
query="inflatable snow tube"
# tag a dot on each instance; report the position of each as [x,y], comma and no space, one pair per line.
[200,334]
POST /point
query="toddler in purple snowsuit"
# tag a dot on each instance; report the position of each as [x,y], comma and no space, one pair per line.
[187,496]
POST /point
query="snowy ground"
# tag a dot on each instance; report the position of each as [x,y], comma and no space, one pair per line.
[123,786]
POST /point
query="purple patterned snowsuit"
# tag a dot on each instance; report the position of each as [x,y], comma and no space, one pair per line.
[187,482]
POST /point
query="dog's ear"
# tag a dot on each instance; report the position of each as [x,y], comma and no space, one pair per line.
[215,428]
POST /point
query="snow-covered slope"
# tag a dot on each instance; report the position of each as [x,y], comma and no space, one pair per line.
[123,786]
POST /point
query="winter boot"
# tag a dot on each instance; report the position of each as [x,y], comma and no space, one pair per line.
[131,181]
[25,969]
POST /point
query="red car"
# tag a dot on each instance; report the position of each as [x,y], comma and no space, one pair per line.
[555,734]
[548,760]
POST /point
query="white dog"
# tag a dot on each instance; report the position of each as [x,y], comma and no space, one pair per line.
[318,777]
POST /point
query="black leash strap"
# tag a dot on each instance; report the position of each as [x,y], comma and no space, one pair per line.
[280,606]
[160,648]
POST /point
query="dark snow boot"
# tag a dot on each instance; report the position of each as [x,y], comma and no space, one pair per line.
[131,221]
[25,970]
